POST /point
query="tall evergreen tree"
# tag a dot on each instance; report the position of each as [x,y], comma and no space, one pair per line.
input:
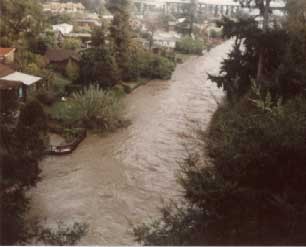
[120,34]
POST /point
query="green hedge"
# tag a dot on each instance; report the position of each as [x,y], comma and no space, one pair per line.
[188,45]
[145,64]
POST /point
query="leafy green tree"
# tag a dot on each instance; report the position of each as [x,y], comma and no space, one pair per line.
[20,22]
[192,15]
[296,19]
[120,35]
[72,71]
[32,129]
[21,147]
[98,66]
[55,19]
[264,7]
[99,36]
[189,45]
[283,64]
[72,43]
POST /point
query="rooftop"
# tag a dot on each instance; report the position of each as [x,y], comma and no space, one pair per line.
[21,77]
[60,55]
[5,51]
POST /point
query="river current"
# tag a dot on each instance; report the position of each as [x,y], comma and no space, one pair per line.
[121,179]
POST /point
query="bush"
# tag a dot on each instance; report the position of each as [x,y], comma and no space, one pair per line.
[151,66]
[72,43]
[245,136]
[93,107]
[72,71]
[188,45]
[62,235]
[98,108]
[161,68]
[213,33]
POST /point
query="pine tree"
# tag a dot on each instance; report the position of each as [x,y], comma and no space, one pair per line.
[120,35]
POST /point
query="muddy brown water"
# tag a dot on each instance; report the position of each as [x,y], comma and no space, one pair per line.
[120,180]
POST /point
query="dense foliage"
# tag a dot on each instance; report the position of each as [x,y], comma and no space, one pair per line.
[250,191]
[21,148]
[252,194]
[20,23]
[120,35]
[148,65]
[188,45]
[98,66]
[283,64]
[92,107]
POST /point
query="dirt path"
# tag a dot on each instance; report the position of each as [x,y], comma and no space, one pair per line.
[119,180]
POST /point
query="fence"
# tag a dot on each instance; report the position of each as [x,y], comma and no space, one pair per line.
[69,147]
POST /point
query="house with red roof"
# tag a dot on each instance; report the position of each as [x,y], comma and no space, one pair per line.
[7,55]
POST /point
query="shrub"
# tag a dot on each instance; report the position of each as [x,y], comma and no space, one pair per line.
[62,235]
[72,71]
[93,107]
[72,43]
[188,45]
[151,66]
[213,33]
[244,136]
[161,68]
[98,108]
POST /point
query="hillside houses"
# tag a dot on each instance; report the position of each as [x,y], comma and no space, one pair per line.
[60,8]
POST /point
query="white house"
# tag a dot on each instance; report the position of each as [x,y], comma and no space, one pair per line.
[64,28]
[165,39]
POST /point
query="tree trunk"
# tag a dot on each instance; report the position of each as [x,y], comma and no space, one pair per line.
[265,29]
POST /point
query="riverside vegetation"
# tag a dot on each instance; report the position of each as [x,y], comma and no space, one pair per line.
[251,191]
[92,94]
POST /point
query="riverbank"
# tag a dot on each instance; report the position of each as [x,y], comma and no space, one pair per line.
[119,180]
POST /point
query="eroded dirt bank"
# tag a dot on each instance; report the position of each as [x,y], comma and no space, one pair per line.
[119,180]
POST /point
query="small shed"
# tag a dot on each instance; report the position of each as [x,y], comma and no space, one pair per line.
[29,83]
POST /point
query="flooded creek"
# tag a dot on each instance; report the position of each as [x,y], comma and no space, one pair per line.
[116,181]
